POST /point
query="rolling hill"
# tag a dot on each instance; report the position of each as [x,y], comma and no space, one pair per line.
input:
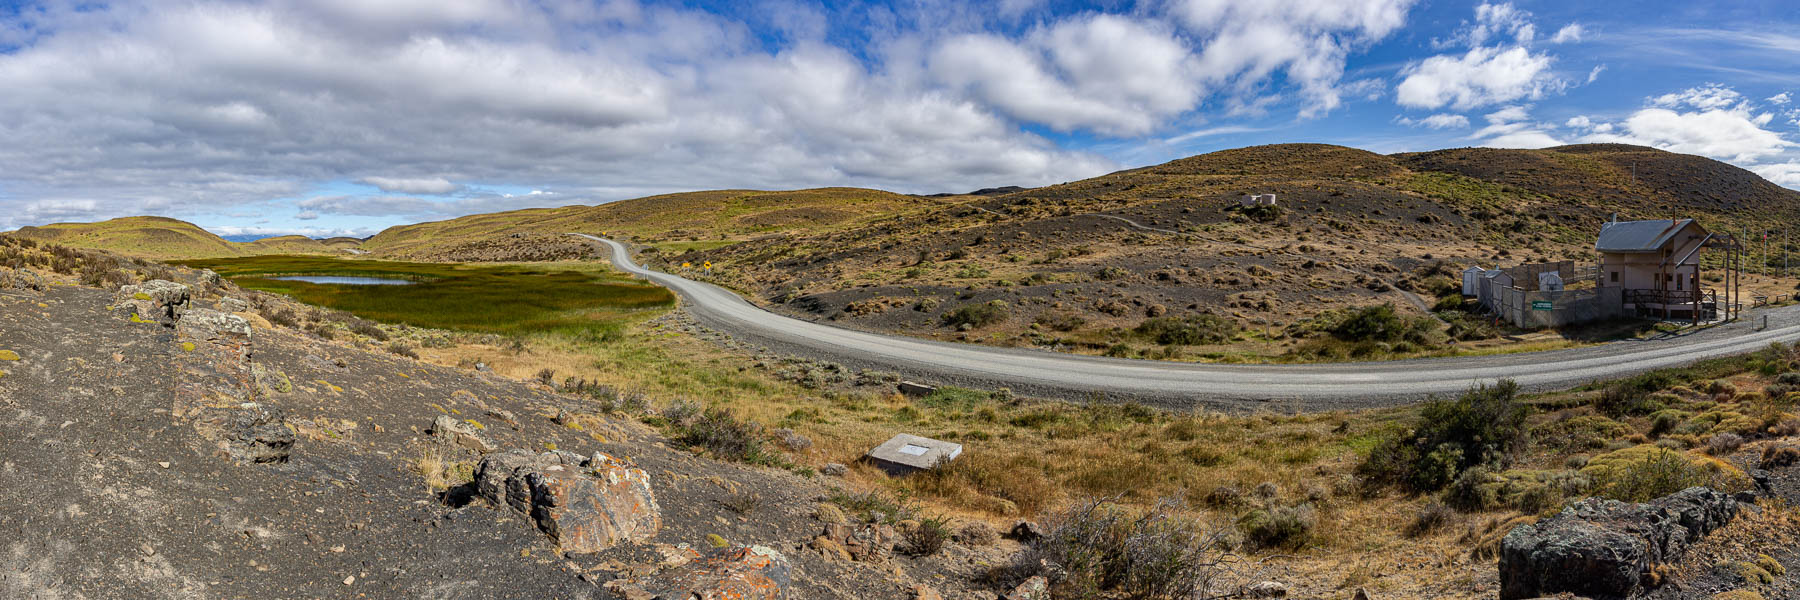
[170,239]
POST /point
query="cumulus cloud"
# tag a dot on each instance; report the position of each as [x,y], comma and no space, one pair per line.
[1781,98]
[1243,43]
[398,185]
[1569,33]
[1713,120]
[191,107]
[1486,74]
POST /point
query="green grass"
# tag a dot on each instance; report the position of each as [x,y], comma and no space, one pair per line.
[505,299]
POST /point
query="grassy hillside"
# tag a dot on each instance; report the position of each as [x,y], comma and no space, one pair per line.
[1113,263]
[170,239]
[683,221]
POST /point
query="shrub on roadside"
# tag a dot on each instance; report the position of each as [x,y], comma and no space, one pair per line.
[1189,330]
[1483,426]
[977,315]
[1287,527]
[725,437]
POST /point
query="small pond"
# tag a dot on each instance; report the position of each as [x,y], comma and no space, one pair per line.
[333,279]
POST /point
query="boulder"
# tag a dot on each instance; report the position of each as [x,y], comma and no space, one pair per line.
[1035,588]
[451,432]
[1025,531]
[1266,589]
[157,299]
[868,542]
[211,325]
[834,469]
[233,305]
[740,572]
[585,504]
[21,279]
[1605,548]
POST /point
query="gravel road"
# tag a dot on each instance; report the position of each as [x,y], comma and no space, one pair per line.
[1219,386]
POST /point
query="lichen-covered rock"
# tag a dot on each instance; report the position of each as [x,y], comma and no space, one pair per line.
[585,504]
[452,432]
[25,280]
[867,542]
[740,572]
[157,299]
[1035,588]
[233,305]
[212,325]
[1605,548]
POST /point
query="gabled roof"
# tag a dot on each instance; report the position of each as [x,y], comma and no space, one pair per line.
[1639,236]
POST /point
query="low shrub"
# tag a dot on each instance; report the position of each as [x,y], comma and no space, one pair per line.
[401,349]
[977,315]
[1432,517]
[1100,549]
[1779,456]
[1288,527]
[1721,444]
[727,438]
[1189,330]
[368,329]
[1645,473]
[927,537]
[1483,426]
[1057,321]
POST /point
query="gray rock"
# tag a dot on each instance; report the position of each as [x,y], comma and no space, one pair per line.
[209,324]
[452,432]
[834,469]
[1266,589]
[1604,548]
[233,305]
[251,433]
[158,299]
[1025,531]
[1035,588]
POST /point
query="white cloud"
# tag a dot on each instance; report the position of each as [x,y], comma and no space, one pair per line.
[1481,77]
[1595,73]
[1244,43]
[198,107]
[1512,127]
[1711,96]
[399,185]
[1569,33]
[306,215]
[1114,74]
[1781,98]
[1730,135]
[1785,174]
[1437,121]
[1484,75]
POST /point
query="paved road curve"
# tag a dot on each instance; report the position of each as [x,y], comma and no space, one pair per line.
[1306,387]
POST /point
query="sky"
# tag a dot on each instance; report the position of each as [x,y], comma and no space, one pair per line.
[343,117]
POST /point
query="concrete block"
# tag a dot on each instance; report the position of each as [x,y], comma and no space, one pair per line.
[905,453]
[916,390]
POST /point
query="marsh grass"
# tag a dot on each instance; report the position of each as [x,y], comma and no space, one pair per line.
[503,299]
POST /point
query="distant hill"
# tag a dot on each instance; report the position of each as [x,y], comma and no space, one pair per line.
[168,239]
[685,220]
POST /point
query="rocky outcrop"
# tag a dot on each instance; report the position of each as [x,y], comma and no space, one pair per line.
[459,434]
[249,433]
[158,299]
[25,280]
[740,572]
[1606,549]
[585,504]
[868,542]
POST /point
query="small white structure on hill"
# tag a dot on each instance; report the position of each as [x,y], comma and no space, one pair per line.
[1472,280]
[1250,200]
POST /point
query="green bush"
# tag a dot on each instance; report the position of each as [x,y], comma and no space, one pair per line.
[1189,330]
[976,315]
[1381,324]
[1448,303]
[1483,426]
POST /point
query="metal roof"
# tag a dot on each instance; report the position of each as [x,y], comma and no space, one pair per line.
[1639,236]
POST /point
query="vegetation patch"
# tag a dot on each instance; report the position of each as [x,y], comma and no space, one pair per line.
[505,299]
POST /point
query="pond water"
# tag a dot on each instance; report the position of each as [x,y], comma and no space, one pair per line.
[332,279]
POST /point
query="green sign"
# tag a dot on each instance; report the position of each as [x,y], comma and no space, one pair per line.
[1541,305]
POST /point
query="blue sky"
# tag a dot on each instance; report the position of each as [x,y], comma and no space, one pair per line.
[329,117]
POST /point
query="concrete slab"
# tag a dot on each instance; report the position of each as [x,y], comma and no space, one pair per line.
[905,453]
[916,390]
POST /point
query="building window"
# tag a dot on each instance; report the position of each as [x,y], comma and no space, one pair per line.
[1615,276]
